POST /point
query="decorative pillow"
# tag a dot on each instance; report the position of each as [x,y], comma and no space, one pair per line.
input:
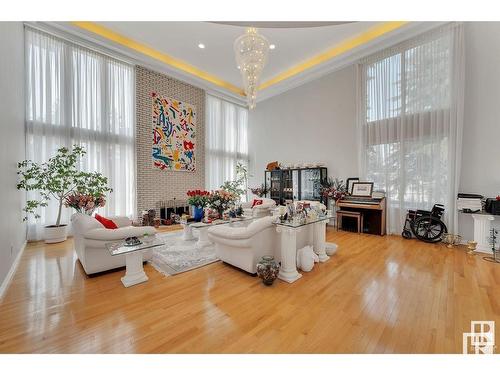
[108,224]
[257,202]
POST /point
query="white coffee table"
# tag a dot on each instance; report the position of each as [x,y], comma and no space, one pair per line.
[134,273]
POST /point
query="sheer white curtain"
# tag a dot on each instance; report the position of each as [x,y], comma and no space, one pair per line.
[226,141]
[78,96]
[410,120]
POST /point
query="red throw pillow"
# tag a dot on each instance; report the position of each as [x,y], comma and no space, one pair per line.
[257,202]
[108,224]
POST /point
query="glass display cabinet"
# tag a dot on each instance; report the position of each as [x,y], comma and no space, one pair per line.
[295,184]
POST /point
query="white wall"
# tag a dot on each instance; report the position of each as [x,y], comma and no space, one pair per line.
[12,142]
[311,123]
[481,145]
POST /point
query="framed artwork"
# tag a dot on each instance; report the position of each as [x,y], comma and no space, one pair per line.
[174,134]
[349,183]
[362,189]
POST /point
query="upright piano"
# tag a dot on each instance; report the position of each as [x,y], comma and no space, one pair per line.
[373,210]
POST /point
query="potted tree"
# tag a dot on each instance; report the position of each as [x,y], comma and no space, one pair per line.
[58,178]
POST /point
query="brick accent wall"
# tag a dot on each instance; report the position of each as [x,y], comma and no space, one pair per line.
[153,184]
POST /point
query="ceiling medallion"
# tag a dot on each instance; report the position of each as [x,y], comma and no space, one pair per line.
[251,51]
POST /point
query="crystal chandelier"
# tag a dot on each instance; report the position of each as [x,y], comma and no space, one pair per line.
[251,51]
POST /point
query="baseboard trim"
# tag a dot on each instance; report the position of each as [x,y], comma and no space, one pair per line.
[12,271]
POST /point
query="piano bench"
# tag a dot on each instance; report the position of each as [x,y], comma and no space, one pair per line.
[356,215]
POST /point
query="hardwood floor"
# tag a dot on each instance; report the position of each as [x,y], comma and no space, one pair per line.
[376,295]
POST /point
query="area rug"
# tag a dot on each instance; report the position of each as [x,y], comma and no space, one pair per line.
[179,256]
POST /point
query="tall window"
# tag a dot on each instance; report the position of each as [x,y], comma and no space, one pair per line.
[226,141]
[411,107]
[78,96]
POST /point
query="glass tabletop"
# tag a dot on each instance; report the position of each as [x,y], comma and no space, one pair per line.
[119,247]
[298,224]
[220,222]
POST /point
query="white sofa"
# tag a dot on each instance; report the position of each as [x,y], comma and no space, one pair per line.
[243,247]
[90,237]
[260,210]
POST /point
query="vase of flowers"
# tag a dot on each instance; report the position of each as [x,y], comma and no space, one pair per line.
[332,190]
[198,200]
[221,200]
[84,203]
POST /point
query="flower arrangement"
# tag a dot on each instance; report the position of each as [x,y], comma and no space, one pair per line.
[221,200]
[260,191]
[333,189]
[84,203]
[198,198]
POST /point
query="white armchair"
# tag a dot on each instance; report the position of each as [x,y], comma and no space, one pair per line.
[90,237]
[260,210]
[243,247]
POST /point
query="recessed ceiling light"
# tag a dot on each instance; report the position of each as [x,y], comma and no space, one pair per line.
[201,45]
[272,46]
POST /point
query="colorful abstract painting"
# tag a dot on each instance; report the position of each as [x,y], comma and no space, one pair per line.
[174,131]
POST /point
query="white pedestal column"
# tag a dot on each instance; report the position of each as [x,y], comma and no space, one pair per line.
[203,240]
[288,270]
[187,233]
[319,240]
[482,226]
[134,273]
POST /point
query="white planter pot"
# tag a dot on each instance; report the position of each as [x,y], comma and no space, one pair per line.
[55,234]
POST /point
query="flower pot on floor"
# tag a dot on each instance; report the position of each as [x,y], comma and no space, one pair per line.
[54,234]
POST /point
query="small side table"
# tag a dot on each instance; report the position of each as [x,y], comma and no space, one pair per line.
[134,272]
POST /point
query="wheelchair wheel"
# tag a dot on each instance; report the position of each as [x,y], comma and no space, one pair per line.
[429,229]
[406,234]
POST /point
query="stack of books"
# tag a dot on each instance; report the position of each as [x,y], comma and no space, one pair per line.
[469,202]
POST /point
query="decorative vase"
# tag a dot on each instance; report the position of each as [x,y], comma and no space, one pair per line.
[267,270]
[198,213]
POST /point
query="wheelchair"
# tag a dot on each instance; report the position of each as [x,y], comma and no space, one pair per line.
[425,225]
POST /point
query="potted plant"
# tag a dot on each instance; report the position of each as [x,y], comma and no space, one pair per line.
[59,178]
[198,200]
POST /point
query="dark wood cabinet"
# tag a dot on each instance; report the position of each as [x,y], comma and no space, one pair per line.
[295,184]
